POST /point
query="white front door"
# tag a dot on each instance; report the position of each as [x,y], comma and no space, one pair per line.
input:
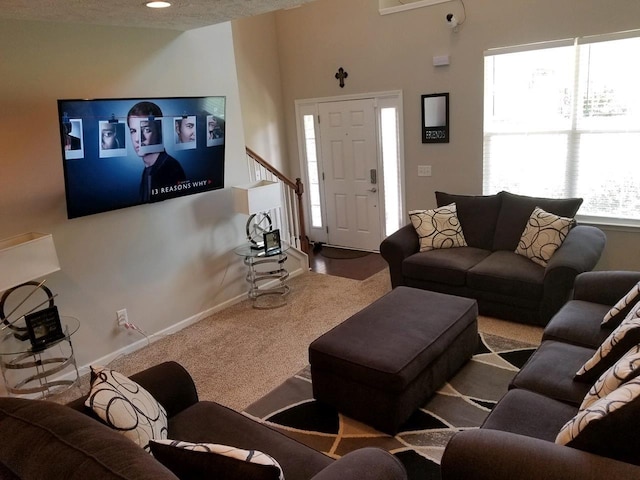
[350,167]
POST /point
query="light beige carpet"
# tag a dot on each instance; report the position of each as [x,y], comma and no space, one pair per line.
[238,355]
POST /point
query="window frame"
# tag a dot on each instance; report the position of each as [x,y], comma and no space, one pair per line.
[573,134]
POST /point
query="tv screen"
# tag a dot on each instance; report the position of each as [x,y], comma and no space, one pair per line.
[119,153]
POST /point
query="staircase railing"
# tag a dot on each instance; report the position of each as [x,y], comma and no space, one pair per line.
[290,217]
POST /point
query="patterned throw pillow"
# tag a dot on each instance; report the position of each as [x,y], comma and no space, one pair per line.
[543,235]
[623,370]
[438,228]
[126,407]
[210,460]
[612,413]
[625,336]
[618,310]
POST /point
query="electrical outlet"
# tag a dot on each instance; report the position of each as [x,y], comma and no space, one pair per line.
[424,170]
[123,318]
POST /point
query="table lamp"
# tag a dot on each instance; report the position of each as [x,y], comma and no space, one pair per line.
[256,200]
[23,259]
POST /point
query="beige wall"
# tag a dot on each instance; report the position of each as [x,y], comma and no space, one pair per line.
[165,262]
[388,52]
[259,82]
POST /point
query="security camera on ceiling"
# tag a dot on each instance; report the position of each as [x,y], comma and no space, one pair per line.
[452,21]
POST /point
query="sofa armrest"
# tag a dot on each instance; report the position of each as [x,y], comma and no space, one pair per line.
[396,247]
[604,287]
[494,455]
[579,253]
[364,464]
[170,384]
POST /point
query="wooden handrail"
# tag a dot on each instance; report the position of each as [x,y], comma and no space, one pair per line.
[297,187]
[271,168]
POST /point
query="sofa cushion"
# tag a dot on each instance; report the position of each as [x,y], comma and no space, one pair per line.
[621,309]
[515,210]
[578,322]
[46,440]
[609,426]
[530,414]
[210,422]
[199,461]
[438,228]
[625,336]
[478,216]
[126,407]
[543,235]
[550,372]
[622,371]
[509,274]
[447,266]
[6,474]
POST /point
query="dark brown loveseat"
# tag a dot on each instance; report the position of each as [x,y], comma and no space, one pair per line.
[45,440]
[505,284]
[517,440]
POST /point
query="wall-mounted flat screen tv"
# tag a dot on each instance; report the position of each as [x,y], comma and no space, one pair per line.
[119,153]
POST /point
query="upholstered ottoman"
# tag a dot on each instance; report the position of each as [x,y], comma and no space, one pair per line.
[384,362]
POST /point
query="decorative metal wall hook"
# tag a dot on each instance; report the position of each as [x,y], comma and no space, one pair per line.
[341,75]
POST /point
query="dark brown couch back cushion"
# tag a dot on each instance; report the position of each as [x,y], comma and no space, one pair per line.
[515,210]
[478,216]
[46,440]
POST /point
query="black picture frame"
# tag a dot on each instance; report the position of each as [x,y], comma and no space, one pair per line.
[44,327]
[272,244]
[435,118]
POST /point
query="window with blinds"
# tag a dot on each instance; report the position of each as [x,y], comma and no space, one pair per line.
[562,119]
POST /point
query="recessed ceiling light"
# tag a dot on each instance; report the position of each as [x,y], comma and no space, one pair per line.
[158,4]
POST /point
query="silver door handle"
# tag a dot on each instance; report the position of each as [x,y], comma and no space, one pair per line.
[374,190]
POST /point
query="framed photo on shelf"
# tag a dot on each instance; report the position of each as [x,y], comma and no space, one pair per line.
[272,244]
[44,327]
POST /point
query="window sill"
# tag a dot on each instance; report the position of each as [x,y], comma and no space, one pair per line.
[631,226]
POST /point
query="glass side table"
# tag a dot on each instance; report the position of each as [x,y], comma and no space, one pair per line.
[28,373]
[266,276]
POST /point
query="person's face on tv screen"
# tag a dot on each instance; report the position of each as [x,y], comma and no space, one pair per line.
[109,137]
[186,130]
[148,133]
[134,130]
[213,125]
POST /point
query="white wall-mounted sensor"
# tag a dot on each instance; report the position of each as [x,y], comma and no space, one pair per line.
[440,60]
[452,21]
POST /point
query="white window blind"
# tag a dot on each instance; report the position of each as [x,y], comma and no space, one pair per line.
[563,120]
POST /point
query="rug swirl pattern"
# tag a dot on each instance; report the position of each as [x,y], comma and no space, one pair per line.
[462,403]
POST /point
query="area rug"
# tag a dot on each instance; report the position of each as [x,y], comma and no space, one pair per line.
[462,403]
[342,253]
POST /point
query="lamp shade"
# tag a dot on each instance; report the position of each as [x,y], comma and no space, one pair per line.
[256,197]
[26,257]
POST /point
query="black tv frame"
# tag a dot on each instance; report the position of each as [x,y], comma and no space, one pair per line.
[104,150]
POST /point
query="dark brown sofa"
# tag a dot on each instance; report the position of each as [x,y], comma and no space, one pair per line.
[517,440]
[505,284]
[45,440]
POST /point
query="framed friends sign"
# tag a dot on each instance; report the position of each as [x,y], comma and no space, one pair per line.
[435,118]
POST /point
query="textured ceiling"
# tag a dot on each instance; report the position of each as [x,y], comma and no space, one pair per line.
[182,15]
